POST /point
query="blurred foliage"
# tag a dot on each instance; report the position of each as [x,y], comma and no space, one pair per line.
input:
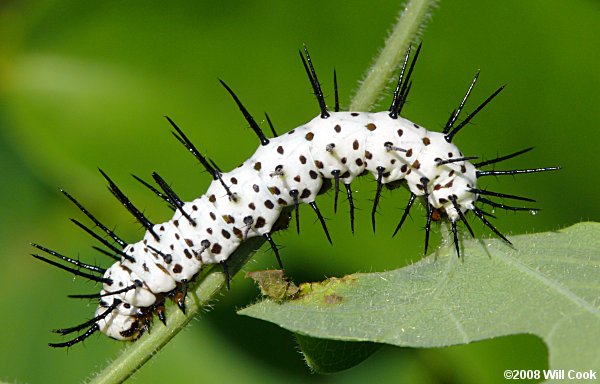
[86,84]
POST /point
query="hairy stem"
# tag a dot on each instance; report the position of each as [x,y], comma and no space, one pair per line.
[212,281]
[411,21]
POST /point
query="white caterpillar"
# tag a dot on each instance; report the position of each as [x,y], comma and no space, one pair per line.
[283,172]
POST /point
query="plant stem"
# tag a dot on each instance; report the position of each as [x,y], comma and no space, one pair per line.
[212,281]
[411,21]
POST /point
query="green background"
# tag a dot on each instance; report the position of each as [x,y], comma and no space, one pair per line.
[84,85]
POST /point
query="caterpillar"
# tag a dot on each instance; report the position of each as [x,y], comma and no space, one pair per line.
[258,197]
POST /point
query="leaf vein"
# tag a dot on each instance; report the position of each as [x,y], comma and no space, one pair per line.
[550,283]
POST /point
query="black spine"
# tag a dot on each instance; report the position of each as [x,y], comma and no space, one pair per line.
[66,331]
[404,84]
[77,263]
[102,241]
[274,248]
[172,197]
[157,192]
[505,207]
[461,215]
[335,93]
[429,208]
[98,295]
[104,252]
[351,204]
[110,233]
[130,207]
[313,205]
[489,225]
[182,138]
[74,271]
[516,171]
[411,200]
[314,82]
[502,195]
[294,194]
[263,139]
[93,329]
[450,135]
[457,111]
[336,177]
[502,158]
[455,236]
[271,125]
[380,171]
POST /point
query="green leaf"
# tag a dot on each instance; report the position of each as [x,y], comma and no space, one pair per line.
[329,356]
[548,285]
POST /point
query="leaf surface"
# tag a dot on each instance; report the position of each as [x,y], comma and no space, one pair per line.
[548,285]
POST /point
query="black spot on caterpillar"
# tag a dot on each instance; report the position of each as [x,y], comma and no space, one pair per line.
[285,171]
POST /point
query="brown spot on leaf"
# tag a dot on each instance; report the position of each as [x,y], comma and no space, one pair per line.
[332,299]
